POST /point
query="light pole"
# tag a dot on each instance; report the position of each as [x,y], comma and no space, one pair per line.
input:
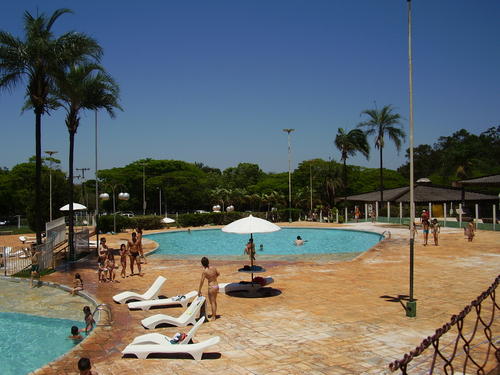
[159,191]
[411,305]
[143,188]
[50,153]
[122,196]
[289,175]
[96,187]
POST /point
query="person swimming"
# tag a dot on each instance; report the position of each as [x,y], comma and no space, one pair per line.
[75,334]
[299,241]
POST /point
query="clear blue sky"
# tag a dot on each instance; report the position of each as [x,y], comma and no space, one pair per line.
[217,81]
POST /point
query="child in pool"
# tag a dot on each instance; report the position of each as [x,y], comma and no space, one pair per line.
[89,319]
[75,334]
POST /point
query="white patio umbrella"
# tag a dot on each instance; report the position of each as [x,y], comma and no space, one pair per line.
[251,225]
[167,220]
[76,207]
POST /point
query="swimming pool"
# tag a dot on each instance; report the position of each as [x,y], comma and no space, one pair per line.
[214,242]
[35,325]
[28,342]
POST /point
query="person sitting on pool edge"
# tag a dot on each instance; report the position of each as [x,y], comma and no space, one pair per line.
[85,367]
[299,241]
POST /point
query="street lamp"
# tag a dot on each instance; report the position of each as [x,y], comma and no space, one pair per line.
[411,305]
[50,153]
[143,188]
[289,175]
[159,190]
[122,196]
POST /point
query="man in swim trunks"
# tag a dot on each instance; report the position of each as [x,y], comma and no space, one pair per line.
[35,267]
[211,274]
[141,250]
[134,250]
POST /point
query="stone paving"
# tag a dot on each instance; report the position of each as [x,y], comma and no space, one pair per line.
[322,317]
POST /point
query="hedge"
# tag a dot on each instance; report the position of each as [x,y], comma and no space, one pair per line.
[105,223]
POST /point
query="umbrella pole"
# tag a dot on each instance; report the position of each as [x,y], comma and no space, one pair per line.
[252,252]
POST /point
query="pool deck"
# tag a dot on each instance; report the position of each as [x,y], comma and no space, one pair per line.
[324,317]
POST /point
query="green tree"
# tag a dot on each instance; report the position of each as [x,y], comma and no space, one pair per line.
[349,144]
[34,60]
[381,123]
[82,87]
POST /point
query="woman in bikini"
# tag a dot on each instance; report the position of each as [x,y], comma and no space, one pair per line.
[211,274]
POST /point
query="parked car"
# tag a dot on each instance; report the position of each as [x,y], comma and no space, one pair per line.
[127,214]
[200,212]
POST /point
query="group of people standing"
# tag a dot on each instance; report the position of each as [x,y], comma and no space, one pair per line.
[132,250]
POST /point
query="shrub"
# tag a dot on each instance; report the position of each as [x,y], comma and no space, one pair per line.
[146,222]
[283,214]
[105,223]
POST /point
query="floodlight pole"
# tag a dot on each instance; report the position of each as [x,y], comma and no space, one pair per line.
[289,175]
[143,189]
[50,153]
[411,305]
[96,188]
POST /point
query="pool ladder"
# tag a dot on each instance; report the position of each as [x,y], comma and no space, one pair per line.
[386,234]
[109,314]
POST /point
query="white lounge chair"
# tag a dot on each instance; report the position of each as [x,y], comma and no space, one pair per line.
[177,300]
[159,339]
[189,316]
[152,293]
[25,239]
[243,287]
[195,350]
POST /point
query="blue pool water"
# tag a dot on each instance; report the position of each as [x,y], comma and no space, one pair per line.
[214,242]
[28,342]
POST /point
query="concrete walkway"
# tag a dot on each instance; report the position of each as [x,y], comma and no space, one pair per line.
[323,317]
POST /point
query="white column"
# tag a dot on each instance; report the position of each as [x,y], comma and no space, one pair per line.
[366,211]
[430,210]
[337,217]
[376,209]
[388,211]
[445,213]
[345,214]
[400,212]
[460,214]
[477,214]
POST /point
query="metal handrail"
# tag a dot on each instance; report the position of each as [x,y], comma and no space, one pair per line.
[388,232]
[109,312]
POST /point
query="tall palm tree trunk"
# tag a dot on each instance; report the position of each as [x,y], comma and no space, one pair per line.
[38,176]
[381,179]
[345,182]
[71,193]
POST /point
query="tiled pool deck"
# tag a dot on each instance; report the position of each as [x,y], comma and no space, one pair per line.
[329,317]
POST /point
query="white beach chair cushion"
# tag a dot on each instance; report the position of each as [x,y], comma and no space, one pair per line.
[151,293]
[189,316]
[177,300]
[195,350]
[159,339]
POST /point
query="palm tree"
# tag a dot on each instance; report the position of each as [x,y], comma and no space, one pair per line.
[380,123]
[82,87]
[349,144]
[34,60]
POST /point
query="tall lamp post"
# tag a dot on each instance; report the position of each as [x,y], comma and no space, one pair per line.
[411,305]
[289,175]
[159,191]
[50,153]
[122,196]
[143,188]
